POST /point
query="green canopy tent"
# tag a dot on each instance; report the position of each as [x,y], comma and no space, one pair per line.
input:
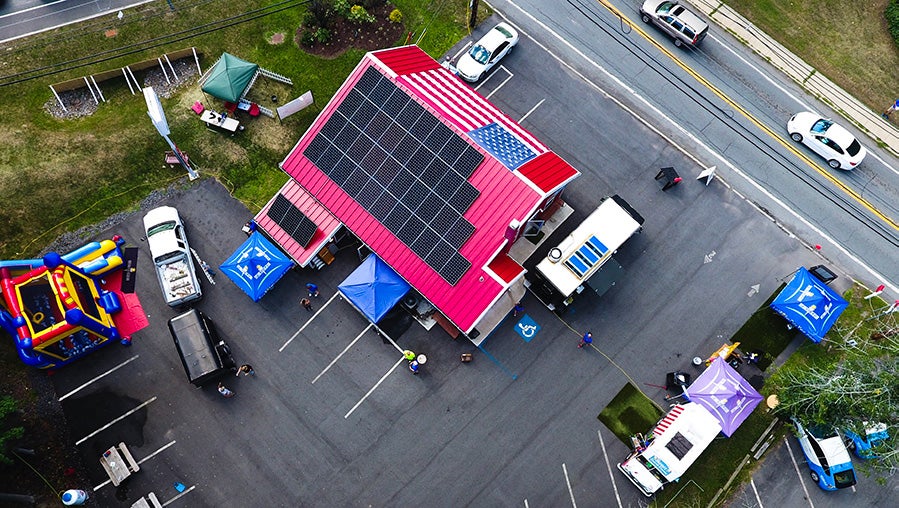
[229,78]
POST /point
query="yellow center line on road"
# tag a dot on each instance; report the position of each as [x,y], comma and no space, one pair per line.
[721,95]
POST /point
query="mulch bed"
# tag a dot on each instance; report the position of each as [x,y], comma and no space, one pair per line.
[380,34]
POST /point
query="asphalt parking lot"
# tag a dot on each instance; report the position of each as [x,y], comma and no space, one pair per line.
[334,417]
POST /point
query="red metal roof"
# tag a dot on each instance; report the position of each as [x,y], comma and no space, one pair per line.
[326,223]
[405,60]
[506,268]
[505,195]
[548,172]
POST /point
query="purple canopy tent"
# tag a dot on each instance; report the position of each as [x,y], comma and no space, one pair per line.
[724,392]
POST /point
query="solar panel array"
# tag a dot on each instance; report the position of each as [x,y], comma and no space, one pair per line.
[403,165]
[292,220]
[586,257]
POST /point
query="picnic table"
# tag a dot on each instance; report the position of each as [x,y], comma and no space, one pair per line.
[217,121]
[118,463]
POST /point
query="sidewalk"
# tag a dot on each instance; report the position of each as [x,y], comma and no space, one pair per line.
[822,88]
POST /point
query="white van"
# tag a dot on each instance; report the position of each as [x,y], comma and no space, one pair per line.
[675,443]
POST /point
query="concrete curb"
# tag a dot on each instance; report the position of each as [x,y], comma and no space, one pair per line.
[883,132]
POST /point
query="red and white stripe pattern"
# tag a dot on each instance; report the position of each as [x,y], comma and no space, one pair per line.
[668,420]
[460,105]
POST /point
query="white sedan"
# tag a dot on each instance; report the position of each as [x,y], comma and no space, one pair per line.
[837,145]
[485,53]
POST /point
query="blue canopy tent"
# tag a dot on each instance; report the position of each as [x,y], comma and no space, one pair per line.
[256,266]
[809,304]
[374,288]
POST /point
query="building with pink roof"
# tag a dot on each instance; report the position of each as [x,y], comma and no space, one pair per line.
[429,175]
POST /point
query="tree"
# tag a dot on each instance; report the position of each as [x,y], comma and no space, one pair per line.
[855,384]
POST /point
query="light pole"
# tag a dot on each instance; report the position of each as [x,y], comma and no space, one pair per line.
[157,116]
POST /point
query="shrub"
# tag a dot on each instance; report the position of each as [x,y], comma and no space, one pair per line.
[342,7]
[308,37]
[319,13]
[322,35]
[892,16]
[395,16]
[358,14]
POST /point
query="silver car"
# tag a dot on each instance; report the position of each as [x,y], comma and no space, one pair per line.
[672,17]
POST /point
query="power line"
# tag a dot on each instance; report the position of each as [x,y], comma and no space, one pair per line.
[137,47]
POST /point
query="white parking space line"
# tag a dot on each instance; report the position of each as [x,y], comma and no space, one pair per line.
[157,452]
[148,457]
[756,492]
[722,160]
[605,455]
[320,374]
[108,372]
[309,321]
[798,473]
[397,364]
[101,429]
[526,504]
[509,76]
[526,115]
[568,482]
[179,496]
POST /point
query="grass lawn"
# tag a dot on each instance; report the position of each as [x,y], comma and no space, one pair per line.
[60,175]
[630,412]
[846,40]
[702,482]
[765,330]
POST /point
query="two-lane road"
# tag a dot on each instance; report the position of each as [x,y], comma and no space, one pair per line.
[727,108]
[20,18]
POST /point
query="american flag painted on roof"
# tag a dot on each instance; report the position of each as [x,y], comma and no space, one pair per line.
[462,106]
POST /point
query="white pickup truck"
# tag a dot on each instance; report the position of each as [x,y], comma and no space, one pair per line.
[171,256]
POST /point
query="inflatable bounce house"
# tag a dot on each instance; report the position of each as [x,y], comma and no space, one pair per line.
[59,308]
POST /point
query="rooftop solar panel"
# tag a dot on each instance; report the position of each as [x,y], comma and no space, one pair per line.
[404,166]
[468,161]
[292,220]
[342,171]
[464,197]
[455,268]
[395,103]
[441,253]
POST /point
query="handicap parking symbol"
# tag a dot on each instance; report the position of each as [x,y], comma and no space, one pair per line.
[527,328]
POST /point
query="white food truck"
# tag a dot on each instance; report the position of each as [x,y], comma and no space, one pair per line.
[675,443]
[584,258]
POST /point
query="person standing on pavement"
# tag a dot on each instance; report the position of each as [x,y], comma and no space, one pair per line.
[413,366]
[226,393]
[408,355]
[247,370]
[587,339]
[313,290]
[307,304]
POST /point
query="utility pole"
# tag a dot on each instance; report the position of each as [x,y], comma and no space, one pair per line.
[473,7]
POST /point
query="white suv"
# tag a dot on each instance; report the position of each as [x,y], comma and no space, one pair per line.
[681,24]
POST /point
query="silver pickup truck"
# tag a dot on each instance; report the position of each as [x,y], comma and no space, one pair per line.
[171,256]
